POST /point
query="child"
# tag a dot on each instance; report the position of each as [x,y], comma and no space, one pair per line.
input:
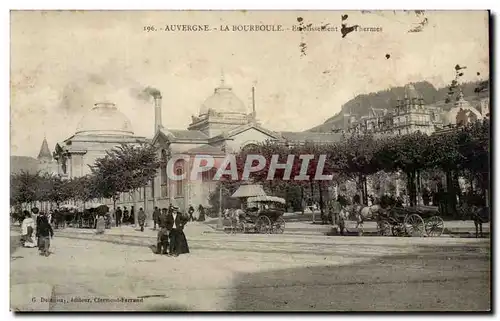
[44,233]
[100,225]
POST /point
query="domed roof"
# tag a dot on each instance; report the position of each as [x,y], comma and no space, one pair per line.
[105,119]
[223,101]
[462,112]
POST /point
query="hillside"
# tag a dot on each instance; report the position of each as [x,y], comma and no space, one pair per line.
[19,163]
[361,104]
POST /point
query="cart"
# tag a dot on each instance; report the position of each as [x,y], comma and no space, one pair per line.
[409,221]
[263,214]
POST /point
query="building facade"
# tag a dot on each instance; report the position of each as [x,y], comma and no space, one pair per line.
[223,126]
[412,114]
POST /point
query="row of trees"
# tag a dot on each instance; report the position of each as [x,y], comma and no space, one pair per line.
[124,169]
[458,152]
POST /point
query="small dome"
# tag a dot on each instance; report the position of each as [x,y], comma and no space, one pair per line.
[223,101]
[105,119]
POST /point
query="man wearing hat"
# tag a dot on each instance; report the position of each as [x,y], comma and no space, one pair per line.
[163,233]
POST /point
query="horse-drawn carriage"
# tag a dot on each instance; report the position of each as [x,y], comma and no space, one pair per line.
[400,221]
[263,214]
[410,221]
[70,215]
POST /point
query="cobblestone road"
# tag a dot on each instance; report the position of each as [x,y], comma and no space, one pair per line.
[260,272]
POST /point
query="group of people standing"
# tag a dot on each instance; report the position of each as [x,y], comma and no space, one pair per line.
[124,217]
[42,228]
[171,239]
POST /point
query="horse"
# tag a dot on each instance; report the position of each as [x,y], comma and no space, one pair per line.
[480,215]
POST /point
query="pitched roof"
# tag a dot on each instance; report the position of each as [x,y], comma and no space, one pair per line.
[180,134]
[44,150]
[315,137]
[246,127]
[188,134]
[205,149]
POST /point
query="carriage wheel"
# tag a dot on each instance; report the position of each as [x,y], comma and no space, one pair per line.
[263,225]
[279,226]
[434,226]
[384,228]
[414,225]
[397,230]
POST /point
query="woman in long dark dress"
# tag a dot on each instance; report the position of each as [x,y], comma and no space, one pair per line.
[178,241]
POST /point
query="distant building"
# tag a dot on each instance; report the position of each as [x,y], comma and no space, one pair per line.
[46,164]
[103,128]
[412,114]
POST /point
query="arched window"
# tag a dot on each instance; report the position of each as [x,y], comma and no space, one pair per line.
[250,147]
[179,185]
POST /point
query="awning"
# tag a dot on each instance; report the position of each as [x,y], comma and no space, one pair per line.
[266,199]
[93,205]
[249,191]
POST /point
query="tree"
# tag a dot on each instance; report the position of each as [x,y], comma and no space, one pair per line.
[124,169]
[84,188]
[24,186]
[408,153]
[474,147]
[56,189]
[356,158]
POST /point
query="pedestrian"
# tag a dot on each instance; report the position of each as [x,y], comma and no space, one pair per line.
[190,212]
[132,216]
[44,233]
[162,244]
[178,241]
[118,216]
[141,218]
[27,227]
[201,210]
[100,224]
[336,207]
[156,217]
[126,217]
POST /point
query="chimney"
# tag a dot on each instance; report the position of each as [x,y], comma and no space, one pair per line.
[157,100]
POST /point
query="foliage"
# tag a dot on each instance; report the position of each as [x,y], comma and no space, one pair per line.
[24,187]
[125,169]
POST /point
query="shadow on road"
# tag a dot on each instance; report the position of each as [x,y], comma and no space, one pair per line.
[443,279]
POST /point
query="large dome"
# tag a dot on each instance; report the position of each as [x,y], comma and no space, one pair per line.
[223,101]
[105,119]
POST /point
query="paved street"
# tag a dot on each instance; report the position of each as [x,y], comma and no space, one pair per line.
[259,272]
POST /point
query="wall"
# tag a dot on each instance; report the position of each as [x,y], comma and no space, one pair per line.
[249,136]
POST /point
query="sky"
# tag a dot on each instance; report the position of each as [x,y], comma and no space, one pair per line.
[62,62]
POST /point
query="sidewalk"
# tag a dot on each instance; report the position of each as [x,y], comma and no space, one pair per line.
[450,227]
